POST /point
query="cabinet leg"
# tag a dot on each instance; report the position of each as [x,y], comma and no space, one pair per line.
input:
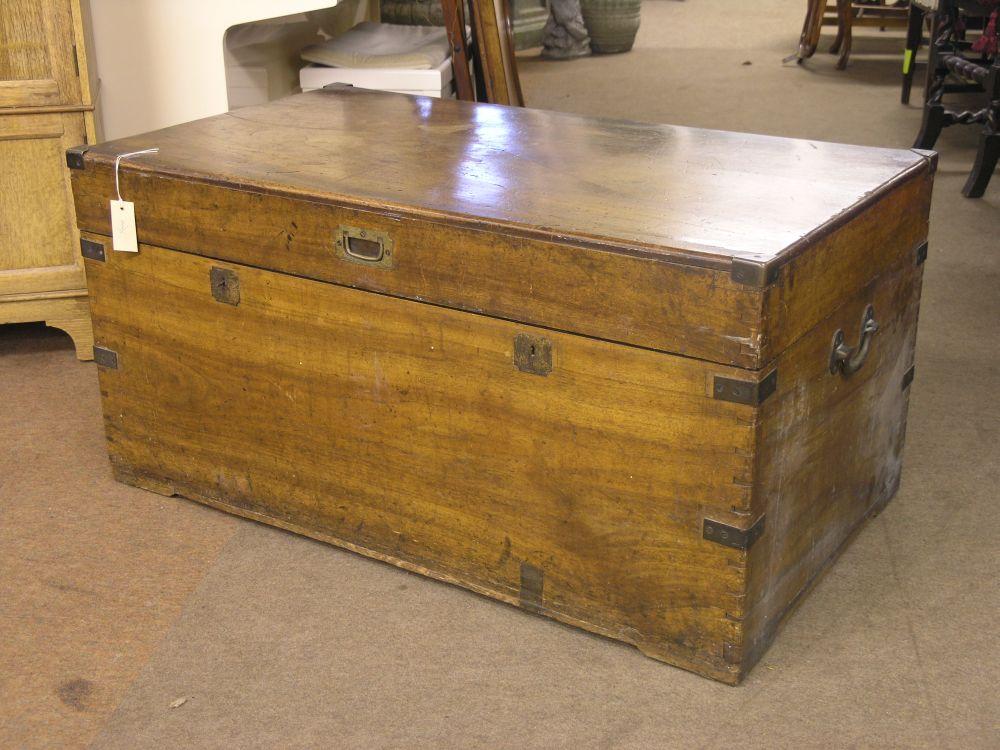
[986,163]
[80,331]
[68,312]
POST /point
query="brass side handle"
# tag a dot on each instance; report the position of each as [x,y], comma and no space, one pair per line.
[847,360]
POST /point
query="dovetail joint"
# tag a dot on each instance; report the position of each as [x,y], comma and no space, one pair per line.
[532,586]
[732,653]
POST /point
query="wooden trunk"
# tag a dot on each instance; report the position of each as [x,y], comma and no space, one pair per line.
[587,367]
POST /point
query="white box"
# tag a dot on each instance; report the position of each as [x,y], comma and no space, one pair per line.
[434,82]
[447,93]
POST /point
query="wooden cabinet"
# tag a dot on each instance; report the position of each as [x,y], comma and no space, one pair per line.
[46,106]
[37,54]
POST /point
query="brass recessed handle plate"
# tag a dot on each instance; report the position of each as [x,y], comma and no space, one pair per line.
[365,246]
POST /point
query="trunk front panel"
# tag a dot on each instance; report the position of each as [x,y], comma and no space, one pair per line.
[445,442]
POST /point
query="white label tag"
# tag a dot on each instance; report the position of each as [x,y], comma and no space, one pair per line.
[123,236]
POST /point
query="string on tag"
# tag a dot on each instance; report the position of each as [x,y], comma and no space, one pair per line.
[124,237]
[118,160]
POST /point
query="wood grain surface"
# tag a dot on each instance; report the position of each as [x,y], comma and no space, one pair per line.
[828,448]
[703,196]
[405,431]
[218,175]
[68,311]
[37,66]
[521,397]
[46,106]
[495,58]
[694,311]
[41,271]
[37,225]
[835,266]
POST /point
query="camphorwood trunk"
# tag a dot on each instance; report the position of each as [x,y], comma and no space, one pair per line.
[587,367]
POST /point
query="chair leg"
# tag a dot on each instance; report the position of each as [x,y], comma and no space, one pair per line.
[914,33]
[811,29]
[931,126]
[986,163]
[839,39]
[846,16]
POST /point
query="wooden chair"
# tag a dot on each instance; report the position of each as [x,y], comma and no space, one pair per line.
[921,14]
[955,66]
[454,21]
[919,10]
[492,52]
[845,15]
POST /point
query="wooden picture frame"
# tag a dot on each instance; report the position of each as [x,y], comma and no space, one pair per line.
[454,21]
[494,53]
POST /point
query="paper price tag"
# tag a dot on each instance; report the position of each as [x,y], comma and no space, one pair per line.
[123,235]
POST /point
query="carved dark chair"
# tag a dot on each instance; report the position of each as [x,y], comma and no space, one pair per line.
[921,15]
[958,65]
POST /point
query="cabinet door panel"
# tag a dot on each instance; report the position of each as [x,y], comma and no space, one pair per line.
[38,238]
[37,59]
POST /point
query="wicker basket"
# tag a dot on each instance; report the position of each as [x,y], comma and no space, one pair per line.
[612,24]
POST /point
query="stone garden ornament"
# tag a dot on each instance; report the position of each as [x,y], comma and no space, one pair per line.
[566,35]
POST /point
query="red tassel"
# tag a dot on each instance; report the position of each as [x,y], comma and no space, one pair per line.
[986,45]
